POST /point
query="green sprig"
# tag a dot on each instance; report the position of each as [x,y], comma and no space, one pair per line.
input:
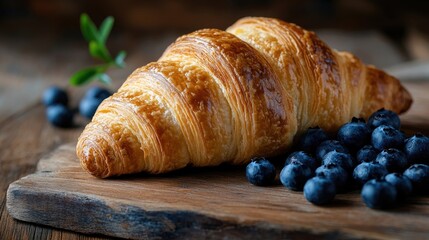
[96,39]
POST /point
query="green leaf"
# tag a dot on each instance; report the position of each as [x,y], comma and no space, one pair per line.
[104,78]
[119,59]
[98,50]
[88,28]
[105,28]
[84,76]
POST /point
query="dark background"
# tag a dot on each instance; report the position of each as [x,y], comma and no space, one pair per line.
[392,17]
[397,20]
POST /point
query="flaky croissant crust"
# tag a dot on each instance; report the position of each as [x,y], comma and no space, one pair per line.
[227,96]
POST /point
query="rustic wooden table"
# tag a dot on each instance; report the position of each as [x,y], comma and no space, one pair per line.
[26,69]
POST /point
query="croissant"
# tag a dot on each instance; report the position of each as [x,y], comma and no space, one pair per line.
[227,96]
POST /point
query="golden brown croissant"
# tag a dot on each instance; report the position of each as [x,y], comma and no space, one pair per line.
[226,96]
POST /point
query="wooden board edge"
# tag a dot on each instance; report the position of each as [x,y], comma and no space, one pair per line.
[89,215]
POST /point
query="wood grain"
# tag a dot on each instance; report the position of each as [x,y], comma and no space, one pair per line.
[196,203]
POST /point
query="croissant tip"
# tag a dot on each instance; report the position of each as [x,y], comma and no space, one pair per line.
[407,101]
[90,161]
[403,99]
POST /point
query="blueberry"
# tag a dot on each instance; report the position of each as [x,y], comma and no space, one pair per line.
[419,177]
[354,134]
[384,117]
[260,172]
[55,95]
[311,139]
[88,106]
[392,159]
[294,175]
[319,190]
[304,158]
[402,184]
[343,160]
[59,116]
[335,173]
[387,137]
[367,171]
[379,194]
[367,153]
[417,149]
[328,146]
[97,92]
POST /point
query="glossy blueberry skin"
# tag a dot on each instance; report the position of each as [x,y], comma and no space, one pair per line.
[260,172]
[419,177]
[402,184]
[328,146]
[416,149]
[392,159]
[367,153]
[54,96]
[387,137]
[367,171]
[379,194]
[59,116]
[343,160]
[384,117]
[97,92]
[355,134]
[304,158]
[294,175]
[311,139]
[319,190]
[88,106]
[335,173]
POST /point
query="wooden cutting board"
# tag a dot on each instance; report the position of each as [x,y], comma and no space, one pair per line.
[197,203]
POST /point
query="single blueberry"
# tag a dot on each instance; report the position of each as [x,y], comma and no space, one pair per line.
[343,160]
[311,139]
[367,171]
[335,173]
[55,95]
[260,172]
[355,134]
[417,149]
[367,153]
[88,106]
[98,93]
[59,116]
[419,177]
[379,194]
[402,184]
[294,175]
[304,158]
[393,160]
[328,146]
[387,137]
[319,190]
[384,117]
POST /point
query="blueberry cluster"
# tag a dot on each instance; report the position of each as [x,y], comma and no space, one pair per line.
[375,157]
[56,101]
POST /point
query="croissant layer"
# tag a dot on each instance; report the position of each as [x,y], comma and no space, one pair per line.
[227,96]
